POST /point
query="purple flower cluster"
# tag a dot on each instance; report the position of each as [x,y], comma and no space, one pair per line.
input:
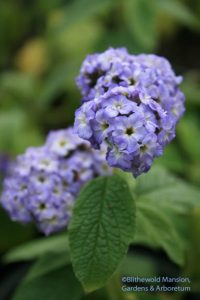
[130,102]
[4,164]
[45,180]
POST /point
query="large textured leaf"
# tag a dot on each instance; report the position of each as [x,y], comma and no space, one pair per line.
[37,248]
[101,230]
[163,202]
[60,284]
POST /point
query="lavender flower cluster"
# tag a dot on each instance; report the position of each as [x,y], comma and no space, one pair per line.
[130,102]
[44,181]
[4,164]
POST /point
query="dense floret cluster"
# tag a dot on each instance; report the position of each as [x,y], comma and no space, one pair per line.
[44,181]
[130,102]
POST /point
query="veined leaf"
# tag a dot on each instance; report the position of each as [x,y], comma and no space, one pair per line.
[101,229]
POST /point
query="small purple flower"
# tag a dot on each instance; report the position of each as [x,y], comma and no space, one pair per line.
[118,105]
[128,131]
[117,158]
[100,126]
[83,117]
[62,142]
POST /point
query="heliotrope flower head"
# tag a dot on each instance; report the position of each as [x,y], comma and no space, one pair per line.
[132,106]
[45,181]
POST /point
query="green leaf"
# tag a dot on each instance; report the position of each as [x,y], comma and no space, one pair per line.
[190,87]
[160,188]
[47,263]
[156,230]
[179,11]
[101,229]
[193,172]
[188,135]
[37,248]
[192,269]
[163,202]
[60,284]
[172,159]
[141,16]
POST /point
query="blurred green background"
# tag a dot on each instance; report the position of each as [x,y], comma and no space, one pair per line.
[42,44]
